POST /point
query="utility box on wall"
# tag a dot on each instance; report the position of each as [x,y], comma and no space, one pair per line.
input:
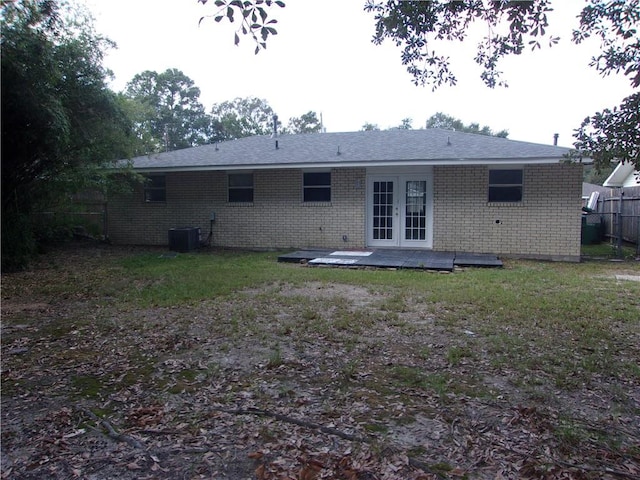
[184,239]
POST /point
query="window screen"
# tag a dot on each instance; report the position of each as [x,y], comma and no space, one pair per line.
[505,185]
[317,187]
[155,189]
[240,187]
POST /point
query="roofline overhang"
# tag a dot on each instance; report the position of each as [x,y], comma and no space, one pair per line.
[355,164]
[620,174]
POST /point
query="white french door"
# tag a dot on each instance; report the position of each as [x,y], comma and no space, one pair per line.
[399,211]
[383,212]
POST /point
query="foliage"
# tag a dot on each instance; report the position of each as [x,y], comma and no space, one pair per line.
[368,127]
[596,176]
[305,123]
[615,22]
[243,117]
[254,18]
[612,135]
[167,111]
[18,241]
[442,120]
[421,27]
[60,122]
[608,135]
[141,116]
[167,114]
[406,124]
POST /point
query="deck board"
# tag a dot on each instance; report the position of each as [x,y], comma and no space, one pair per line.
[392,258]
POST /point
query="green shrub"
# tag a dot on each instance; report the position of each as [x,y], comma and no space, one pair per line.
[18,241]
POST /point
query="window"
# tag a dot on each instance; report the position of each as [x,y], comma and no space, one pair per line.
[505,185]
[316,187]
[155,189]
[240,187]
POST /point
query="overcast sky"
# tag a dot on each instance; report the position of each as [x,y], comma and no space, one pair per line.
[323,60]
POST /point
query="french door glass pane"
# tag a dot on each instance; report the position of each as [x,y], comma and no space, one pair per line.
[382,210]
[415,210]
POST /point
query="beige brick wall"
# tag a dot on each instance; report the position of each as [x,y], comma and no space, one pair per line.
[278,218]
[546,224]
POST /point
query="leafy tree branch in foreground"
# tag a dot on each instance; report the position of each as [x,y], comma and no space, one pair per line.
[421,28]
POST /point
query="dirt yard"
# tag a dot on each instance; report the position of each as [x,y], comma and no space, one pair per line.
[303,380]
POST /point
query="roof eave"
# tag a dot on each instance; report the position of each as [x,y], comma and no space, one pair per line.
[618,177]
[355,164]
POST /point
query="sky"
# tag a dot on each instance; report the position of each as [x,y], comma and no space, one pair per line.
[323,60]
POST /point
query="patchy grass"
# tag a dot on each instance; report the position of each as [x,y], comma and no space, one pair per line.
[608,251]
[231,365]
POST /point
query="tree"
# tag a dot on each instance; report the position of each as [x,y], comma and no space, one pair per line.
[613,134]
[169,115]
[60,122]
[420,27]
[142,116]
[406,124]
[305,123]
[243,117]
[442,120]
[369,127]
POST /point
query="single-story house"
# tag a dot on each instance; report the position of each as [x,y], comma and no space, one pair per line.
[421,189]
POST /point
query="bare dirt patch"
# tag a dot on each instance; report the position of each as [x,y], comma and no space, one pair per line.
[305,381]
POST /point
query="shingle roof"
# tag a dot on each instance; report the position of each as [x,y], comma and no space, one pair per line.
[384,148]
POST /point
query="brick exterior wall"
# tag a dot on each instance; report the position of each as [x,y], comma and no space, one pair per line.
[277,218]
[546,224]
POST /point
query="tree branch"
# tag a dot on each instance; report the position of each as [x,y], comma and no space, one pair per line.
[112,433]
[328,430]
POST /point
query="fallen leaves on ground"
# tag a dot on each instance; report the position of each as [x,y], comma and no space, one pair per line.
[258,386]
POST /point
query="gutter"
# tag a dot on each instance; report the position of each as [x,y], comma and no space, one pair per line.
[353,164]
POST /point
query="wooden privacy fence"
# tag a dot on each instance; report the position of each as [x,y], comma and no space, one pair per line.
[619,212]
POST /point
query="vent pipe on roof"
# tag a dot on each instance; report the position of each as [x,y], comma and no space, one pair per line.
[555,139]
[275,130]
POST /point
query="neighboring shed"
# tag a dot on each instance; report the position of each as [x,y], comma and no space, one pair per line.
[422,189]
